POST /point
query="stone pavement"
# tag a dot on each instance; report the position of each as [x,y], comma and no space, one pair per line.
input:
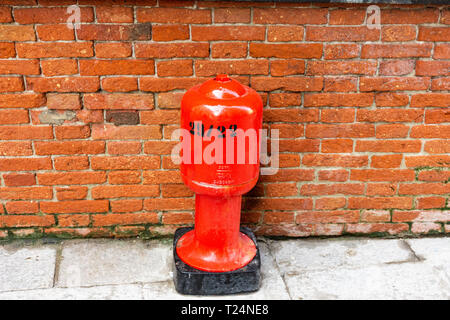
[335,268]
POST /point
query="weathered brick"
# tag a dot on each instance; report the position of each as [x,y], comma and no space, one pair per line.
[115,32]
[63,101]
[390,115]
[431,202]
[111,132]
[18,116]
[25,133]
[341,67]
[22,207]
[249,66]
[287,84]
[314,33]
[124,147]
[380,203]
[422,216]
[391,99]
[75,206]
[25,164]
[375,216]
[177,218]
[113,67]
[71,163]
[69,147]
[300,50]
[287,67]
[24,67]
[229,50]
[119,101]
[319,160]
[431,161]
[398,33]
[442,51]
[16,221]
[44,15]
[113,50]
[156,177]
[398,16]
[244,33]
[11,84]
[5,15]
[389,131]
[116,14]
[128,205]
[15,148]
[285,33]
[333,175]
[370,228]
[341,51]
[127,191]
[124,163]
[25,193]
[7,50]
[130,218]
[291,115]
[440,84]
[290,16]
[382,175]
[160,117]
[73,220]
[59,67]
[170,32]
[16,33]
[340,84]
[403,50]
[54,50]
[17,179]
[432,68]
[121,117]
[232,15]
[430,131]
[71,193]
[64,84]
[338,99]
[119,84]
[437,146]
[433,34]
[175,68]
[394,84]
[55,32]
[172,50]
[124,177]
[173,15]
[396,67]
[437,116]
[337,146]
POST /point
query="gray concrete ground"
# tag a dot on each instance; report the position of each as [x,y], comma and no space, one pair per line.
[291,269]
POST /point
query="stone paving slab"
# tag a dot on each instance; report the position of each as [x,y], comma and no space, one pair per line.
[111,262]
[297,269]
[118,292]
[23,268]
[307,255]
[431,249]
[391,281]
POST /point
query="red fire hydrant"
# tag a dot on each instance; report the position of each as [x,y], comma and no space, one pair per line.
[222,121]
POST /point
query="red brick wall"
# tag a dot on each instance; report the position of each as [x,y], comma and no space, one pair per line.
[86,116]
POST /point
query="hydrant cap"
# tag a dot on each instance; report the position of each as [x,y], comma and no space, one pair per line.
[223,87]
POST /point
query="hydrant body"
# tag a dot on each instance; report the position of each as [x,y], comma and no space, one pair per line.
[220,162]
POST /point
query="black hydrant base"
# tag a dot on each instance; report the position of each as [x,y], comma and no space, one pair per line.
[189,280]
